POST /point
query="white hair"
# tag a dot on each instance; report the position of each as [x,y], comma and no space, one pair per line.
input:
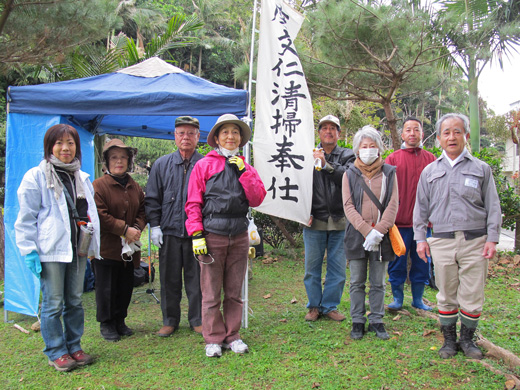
[367,132]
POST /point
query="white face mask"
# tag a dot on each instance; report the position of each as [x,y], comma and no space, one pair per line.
[228,153]
[368,156]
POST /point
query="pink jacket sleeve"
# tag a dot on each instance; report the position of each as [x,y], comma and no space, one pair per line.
[253,186]
[195,201]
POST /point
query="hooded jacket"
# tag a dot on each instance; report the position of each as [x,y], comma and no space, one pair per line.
[219,198]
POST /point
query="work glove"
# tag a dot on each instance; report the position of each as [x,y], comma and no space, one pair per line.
[372,240]
[199,244]
[238,164]
[32,260]
[157,236]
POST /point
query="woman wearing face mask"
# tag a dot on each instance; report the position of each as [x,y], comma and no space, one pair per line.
[222,187]
[366,227]
[55,198]
[120,204]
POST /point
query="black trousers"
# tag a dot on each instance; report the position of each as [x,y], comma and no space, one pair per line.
[176,255]
[114,286]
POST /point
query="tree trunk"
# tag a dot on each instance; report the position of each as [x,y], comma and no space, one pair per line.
[279,223]
[200,62]
[8,7]
[99,142]
[517,234]
[510,359]
[474,121]
[392,125]
[517,227]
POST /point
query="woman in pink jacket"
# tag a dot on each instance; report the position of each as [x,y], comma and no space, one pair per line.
[222,187]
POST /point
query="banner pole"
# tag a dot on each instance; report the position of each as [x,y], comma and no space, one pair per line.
[247,154]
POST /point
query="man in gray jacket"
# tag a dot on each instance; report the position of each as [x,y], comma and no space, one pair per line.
[166,193]
[457,194]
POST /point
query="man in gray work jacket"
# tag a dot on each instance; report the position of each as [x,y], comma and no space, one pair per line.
[457,194]
[166,193]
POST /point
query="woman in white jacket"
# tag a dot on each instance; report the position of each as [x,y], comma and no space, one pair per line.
[55,199]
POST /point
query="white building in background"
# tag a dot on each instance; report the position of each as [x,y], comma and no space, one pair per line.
[511,160]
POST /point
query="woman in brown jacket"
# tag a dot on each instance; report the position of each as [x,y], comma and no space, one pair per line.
[366,227]
[120,203]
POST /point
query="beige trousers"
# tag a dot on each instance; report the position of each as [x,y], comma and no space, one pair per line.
[460,272]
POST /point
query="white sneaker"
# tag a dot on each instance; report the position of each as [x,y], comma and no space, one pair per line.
[213,350]
[237,346]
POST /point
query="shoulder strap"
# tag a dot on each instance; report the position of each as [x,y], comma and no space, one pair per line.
[371,195]
[71,203]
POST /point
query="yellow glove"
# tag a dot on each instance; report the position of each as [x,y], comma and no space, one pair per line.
[237,163]
[199,244]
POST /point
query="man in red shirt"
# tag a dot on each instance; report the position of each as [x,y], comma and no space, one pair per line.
[410,161]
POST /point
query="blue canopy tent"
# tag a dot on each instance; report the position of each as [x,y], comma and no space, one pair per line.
[142,101]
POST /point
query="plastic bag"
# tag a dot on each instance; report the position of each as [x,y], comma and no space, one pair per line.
[254,237]
[130,249]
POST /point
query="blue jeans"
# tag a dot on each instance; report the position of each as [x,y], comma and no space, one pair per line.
[376,295]
[419,270]
[62,286]
[316,242]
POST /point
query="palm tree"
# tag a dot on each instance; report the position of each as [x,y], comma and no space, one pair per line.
[475,33]
[124,51]
[216,20]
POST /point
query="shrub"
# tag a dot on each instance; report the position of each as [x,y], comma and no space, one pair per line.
[271,234]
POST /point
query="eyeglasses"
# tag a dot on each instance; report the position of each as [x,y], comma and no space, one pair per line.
[117,158]
[182,134]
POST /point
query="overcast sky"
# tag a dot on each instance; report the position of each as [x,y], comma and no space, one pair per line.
[500,87]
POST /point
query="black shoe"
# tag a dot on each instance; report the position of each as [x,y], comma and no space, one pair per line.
[467,344]
[450,346]
[122,329]
[358,330]
[108,331]
[379,328]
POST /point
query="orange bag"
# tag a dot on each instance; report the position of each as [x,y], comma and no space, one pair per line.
[397,241]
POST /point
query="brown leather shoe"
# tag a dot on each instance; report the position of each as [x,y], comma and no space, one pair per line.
[313,314]
[197,329]
[166,331]
[335,315]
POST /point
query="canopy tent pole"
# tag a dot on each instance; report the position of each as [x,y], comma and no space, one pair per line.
[247,154]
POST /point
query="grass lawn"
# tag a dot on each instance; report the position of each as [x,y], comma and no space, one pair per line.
[285,351]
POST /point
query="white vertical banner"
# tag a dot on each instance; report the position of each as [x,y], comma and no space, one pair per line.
[284,128]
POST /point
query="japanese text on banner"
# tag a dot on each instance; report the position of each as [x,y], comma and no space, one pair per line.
[284,131]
